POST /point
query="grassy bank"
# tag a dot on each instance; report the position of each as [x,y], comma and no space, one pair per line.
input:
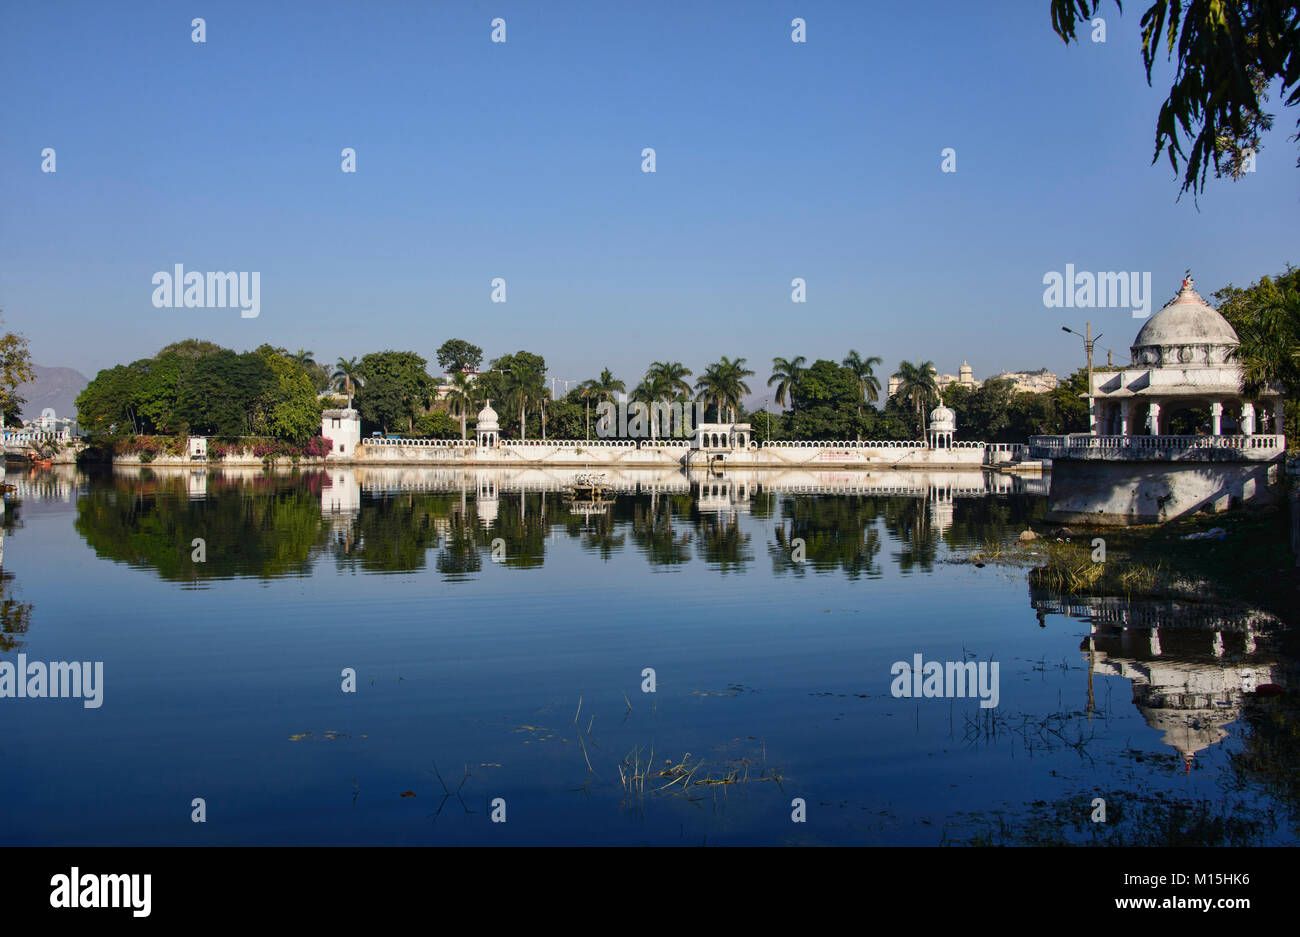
[1242,557]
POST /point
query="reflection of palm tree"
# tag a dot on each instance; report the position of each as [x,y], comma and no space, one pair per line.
[460,553]
[838,532]
[909,521]
[652,529]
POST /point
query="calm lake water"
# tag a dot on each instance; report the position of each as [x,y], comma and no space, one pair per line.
[521,677]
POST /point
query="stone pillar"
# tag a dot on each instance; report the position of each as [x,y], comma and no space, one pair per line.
[1248,419]
[1153,419]
[1126,417]
[1279,416]
[1092,414]
[1216,418]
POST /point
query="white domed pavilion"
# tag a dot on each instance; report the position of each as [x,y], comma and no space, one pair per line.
[943,424]
[1180,361]
[487,431]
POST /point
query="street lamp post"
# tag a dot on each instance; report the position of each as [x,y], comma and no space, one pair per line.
[1088,342]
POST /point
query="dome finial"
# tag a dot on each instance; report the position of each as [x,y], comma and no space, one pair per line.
[1188,282]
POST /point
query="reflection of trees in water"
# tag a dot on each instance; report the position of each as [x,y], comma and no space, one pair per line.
[523,521]
[151,522]
[1134,817]
[462,546]
[838,531]
[1270,753]
[597,533]
[15,616]
[268,524]
[394,532]
[661,528]
[908,519]
[723,545]
[981,520]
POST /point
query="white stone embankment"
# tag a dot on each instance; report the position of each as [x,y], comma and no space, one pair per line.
[605,453]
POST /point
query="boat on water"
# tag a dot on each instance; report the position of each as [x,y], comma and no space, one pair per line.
[590,486]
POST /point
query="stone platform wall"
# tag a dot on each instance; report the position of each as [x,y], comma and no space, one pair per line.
[1127,493]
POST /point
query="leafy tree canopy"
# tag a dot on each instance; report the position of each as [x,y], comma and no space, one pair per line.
[456,354]
[1226,53]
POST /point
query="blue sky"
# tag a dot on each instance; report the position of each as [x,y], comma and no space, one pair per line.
[522,160]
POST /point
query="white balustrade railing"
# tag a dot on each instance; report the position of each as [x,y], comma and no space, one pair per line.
[425,443]
[847,444]
[1261,443]
[23,436]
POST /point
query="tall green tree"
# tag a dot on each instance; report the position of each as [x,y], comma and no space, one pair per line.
[723,383]
[824,403]
[665,381]
[917,388]
[286,406]
[396,388]
[518,382]
[456,354]
[785,375]
[347,376]
[864,370]
[462,398]
[15,369]
[601,389]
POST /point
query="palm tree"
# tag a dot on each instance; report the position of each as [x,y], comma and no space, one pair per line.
[304,359]
[724,384]
[786,376]
[917,387]
[601,389]
[711,388]
[461,399]
[1269,351]
[733,382]
[587,390]
[666,381]
[347,374]
[864,371]
[524,385]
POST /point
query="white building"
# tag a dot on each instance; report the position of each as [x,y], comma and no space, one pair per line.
[943,426]
[487,431]
[1180,361]
[343,429]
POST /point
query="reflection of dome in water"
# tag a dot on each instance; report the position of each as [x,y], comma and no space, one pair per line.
[1190,729]
[487,500]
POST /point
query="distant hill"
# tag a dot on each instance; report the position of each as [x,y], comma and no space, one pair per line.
[53,387]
